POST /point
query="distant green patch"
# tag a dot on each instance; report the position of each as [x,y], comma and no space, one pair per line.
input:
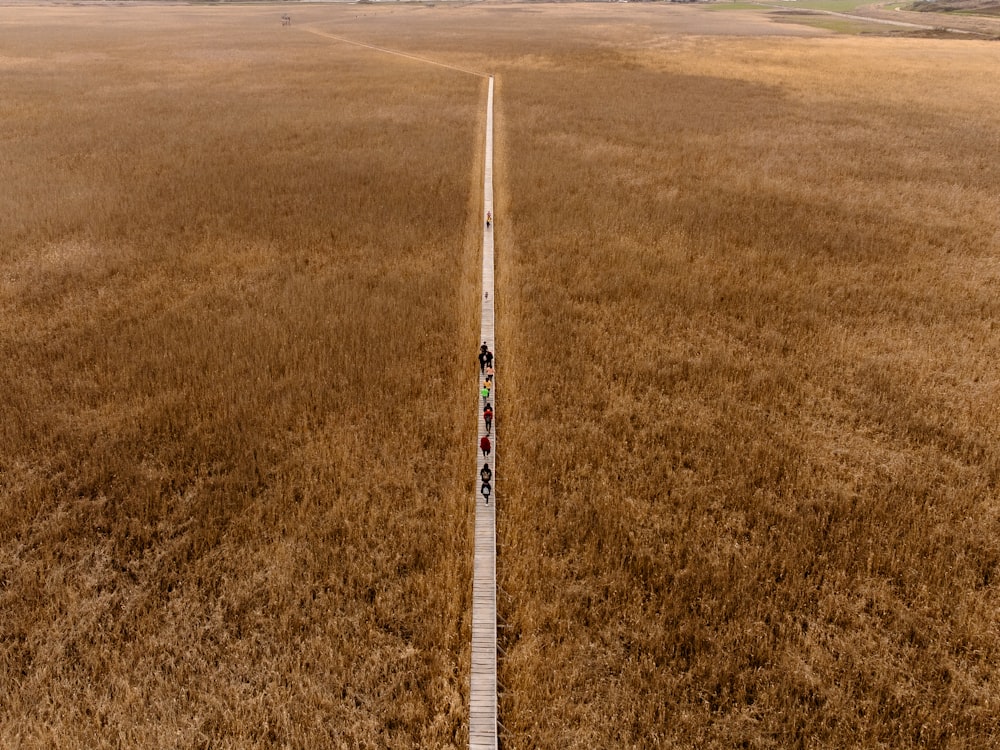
[834,24]
[737,6]
[838,6]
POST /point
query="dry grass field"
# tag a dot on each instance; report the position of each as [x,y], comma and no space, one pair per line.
[747,290]
[238,277]
[750,298]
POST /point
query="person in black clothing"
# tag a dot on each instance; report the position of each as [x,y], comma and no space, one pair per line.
[486,475]
[489,358]
[482,361]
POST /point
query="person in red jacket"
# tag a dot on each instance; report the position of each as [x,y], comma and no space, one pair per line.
[484,444]
[488,417]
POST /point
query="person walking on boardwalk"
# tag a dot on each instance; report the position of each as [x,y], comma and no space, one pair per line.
[485,446]
[486,489]
[482,360]
[489,358]
[490,372]
[485,393]
[486,473]
[488,417]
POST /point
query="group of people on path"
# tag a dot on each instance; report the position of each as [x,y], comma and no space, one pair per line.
[486,369]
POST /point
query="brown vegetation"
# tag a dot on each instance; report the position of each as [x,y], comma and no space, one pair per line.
[750,444]
[974,21]
[238,276]
[974,7]
[747,292]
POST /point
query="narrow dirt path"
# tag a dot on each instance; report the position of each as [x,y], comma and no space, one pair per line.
[397,53]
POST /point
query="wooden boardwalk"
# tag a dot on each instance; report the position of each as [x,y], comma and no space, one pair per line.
[483,688]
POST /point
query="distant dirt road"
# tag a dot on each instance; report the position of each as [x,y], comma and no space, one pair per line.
[427,60]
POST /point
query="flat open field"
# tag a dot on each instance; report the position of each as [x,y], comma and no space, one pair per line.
[238,278]
[747,295]
[750,440]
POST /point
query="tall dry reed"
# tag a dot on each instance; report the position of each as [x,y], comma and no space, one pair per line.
[238,288]
[750,459]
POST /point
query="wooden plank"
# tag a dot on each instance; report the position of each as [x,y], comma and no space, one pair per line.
[483,684]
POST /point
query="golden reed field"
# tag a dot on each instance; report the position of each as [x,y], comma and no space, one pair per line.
[748,293]
[239,278]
